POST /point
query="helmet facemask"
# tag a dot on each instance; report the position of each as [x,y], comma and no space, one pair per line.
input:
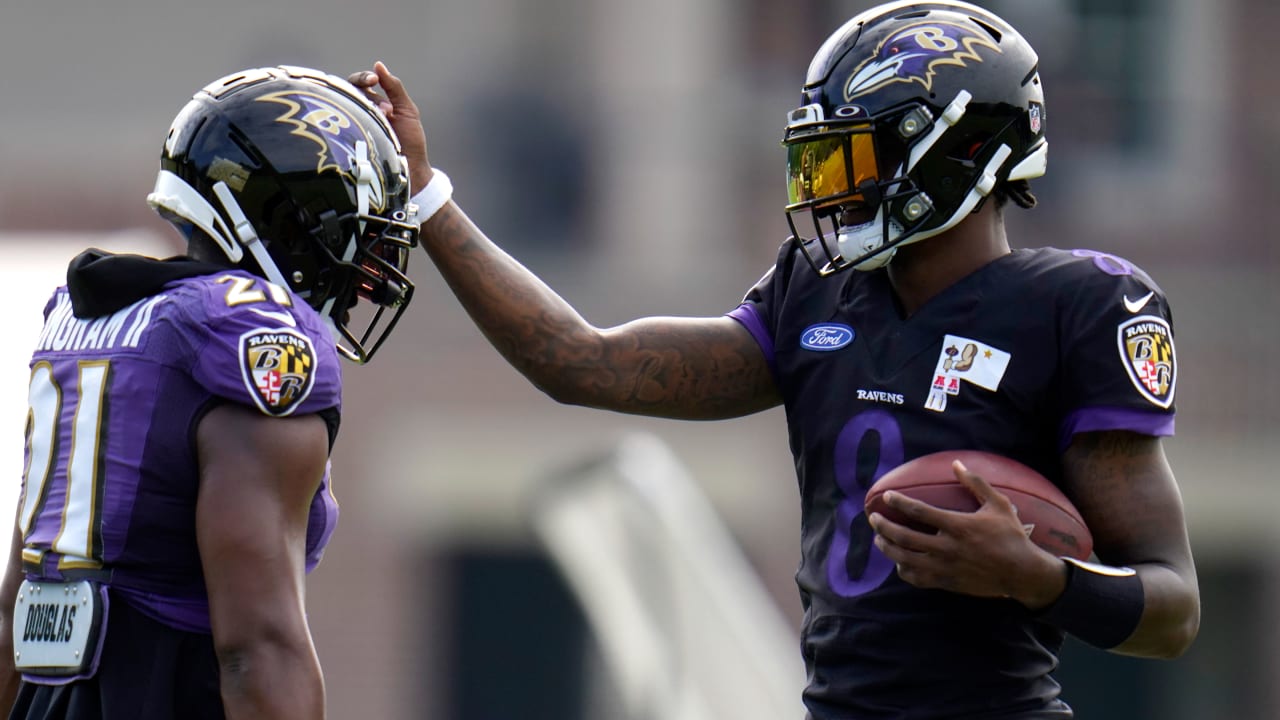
[848,177]
[371,269]
[364,257]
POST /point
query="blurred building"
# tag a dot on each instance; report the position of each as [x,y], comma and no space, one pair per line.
[628,152]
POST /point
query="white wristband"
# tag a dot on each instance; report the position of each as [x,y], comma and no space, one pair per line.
[433,197]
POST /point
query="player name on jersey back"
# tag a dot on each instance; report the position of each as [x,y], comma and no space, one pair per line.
[123,329]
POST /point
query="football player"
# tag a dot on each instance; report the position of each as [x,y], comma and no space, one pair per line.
[897,322]
[182,412]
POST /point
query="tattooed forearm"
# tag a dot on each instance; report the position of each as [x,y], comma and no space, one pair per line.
[691,368]
[694,368]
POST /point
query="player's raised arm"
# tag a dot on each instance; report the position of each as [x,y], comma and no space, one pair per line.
[692,368]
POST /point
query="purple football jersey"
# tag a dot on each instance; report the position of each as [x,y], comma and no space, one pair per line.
[111,475]
[1015,358]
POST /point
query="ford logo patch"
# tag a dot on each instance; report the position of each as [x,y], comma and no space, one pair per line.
[827,336]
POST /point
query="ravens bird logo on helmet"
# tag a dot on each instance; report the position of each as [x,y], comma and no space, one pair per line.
[915,53]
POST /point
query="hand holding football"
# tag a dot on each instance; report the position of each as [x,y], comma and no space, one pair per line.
[1051,520]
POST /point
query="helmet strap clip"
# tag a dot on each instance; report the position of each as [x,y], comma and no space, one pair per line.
[247,236]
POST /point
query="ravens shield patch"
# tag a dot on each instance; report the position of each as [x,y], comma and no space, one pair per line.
[1146,349]
[278,367]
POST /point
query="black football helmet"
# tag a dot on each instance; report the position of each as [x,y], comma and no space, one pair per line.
[912,114]
[296,177]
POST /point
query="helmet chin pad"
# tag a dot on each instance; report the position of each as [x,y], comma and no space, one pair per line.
[877,261]
[871,241]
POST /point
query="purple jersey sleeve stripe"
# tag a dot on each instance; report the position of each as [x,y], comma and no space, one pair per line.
[1091,419]
[747,314]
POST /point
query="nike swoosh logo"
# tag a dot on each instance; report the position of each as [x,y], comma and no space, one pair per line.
[286,318]
[1134,306]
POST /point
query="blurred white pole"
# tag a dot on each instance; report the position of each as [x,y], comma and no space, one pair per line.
[684,621]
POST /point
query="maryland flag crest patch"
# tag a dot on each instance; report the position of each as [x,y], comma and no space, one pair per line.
[1146,349]
[278,367]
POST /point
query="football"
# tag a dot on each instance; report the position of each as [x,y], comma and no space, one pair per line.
[1051,520]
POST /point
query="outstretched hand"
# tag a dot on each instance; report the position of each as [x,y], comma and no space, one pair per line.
[402,113]
[985,553]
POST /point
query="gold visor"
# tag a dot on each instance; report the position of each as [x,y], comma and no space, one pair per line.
[829,166]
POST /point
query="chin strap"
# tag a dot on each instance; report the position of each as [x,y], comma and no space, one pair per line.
[950,116]
[868,238]
[247,236]
[364,174]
